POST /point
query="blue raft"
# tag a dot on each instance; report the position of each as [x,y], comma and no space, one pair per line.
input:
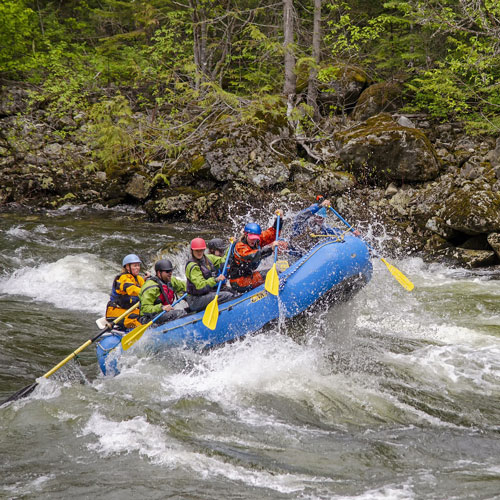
[331,271]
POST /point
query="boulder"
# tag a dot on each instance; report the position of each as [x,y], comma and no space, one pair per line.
[340,87]
[471,258]
[494,242]
[376,99]
[380,149]
[138,187]
[172,207]
[472,209]
[247,160]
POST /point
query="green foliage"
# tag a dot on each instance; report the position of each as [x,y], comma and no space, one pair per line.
[17,25]
[112,133]
[80,51]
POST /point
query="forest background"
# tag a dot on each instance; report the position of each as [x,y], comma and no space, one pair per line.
[184,62]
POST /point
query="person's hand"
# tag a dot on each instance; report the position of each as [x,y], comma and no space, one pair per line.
[279,212]
[282,245]
[147,275]
[325,203]
[356,233]
[274,244]
[221,277]
[167,307]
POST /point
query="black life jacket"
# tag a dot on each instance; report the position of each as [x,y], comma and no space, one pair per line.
[207,269]
[244,266]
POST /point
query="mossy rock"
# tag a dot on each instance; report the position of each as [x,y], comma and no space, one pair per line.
[378,98]
[381,149]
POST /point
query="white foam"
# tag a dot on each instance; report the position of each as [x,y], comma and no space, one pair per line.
[149,441]
[75,282]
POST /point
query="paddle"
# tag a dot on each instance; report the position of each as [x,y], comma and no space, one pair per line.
[212,310]
[132,337]
[272,279]
[400,277]
[30,388]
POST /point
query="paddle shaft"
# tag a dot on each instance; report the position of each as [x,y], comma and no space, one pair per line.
[163,312]
[230,251]
[400,277]
[351,228]
[132,337]
[30,388]
[277,236]
[211,314]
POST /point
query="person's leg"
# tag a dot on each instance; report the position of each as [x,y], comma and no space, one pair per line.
[224,296]
[170,316]
[200,302]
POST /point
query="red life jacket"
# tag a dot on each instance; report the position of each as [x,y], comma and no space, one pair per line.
[167,294]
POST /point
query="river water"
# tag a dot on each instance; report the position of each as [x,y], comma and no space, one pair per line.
[393,395]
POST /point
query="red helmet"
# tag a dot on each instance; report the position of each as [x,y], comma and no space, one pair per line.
[198,244]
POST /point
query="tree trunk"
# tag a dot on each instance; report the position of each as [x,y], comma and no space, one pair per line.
[312,88]
[289,85]
[199,41]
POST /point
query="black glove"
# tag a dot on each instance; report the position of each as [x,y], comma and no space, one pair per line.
[282,223]
[266,252]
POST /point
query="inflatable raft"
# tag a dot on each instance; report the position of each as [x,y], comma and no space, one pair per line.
[331,271]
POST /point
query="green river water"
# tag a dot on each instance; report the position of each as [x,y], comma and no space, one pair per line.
[393,395]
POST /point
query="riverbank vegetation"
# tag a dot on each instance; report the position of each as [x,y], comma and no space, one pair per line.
[189,62]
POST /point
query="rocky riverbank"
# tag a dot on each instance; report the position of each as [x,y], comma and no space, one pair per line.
[430,186]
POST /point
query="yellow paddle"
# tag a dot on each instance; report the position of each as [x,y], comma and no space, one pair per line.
[400,277]
[30,388]
[212,310]
[132,337]
[272,279]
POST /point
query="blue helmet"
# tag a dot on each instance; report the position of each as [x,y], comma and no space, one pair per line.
[131,259]
[252,228]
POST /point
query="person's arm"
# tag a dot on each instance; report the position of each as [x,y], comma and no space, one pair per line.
[267,237]
[148,298]
[300,220]
[178,285]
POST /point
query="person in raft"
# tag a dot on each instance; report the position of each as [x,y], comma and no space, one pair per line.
[201,276]
[248,253]
[159,293]
[124,293]
[308,225]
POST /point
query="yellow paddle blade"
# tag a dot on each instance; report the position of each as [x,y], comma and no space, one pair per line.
[403,280]
[132,337]
[272,281]
[211,314]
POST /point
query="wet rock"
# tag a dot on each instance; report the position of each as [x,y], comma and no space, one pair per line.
[391,190]
[172,207]
[381,149]
[472,209]
[471,258]
[439,227]
[138,187]
[436,243]
[494,242]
